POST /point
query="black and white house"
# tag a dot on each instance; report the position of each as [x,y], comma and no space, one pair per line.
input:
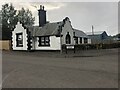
[47,36]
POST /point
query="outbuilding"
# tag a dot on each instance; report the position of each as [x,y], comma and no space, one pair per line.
[98,37]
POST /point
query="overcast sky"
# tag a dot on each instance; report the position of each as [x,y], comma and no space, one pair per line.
[102,15]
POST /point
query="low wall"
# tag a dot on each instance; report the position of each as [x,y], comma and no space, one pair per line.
[5,44]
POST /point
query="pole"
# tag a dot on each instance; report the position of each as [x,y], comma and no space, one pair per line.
[93,41]
[92,30]
[61,39]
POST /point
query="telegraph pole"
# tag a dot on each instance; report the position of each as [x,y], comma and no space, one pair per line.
[61,39]
[92,30]
[92,40]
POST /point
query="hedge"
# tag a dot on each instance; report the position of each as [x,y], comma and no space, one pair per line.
[94,46]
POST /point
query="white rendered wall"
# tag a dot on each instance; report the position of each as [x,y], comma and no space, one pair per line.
[19,29]
[67,28]
[89,41]
[54,44]
[82,40]
[78,40]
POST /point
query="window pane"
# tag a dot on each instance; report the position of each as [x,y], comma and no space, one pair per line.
[42,38]
[68,39]
[85,40]
[76,40]
[19,39]
[47,38]
[42,43]
[47,43]
[80,39]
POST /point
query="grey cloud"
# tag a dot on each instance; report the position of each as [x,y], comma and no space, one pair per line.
[103,15]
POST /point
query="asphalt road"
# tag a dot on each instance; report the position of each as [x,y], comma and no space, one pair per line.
[85,69]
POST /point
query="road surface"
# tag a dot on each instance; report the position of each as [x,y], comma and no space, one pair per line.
[85,69]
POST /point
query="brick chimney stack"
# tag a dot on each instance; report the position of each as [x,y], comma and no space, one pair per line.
[42,16]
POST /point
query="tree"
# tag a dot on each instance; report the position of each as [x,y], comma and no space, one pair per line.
[9,20]
[25,17]
[9,17]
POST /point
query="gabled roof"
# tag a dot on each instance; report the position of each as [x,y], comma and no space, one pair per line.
[48,29]
[95,33]
[79,33]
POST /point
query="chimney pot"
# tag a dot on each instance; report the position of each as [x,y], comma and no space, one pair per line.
[43,7]
[40,7]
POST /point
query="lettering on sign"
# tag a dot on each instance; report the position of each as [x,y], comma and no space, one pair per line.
[70,47]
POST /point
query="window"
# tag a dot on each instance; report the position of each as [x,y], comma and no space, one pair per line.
[68,39]
[85,40]
[80,39]
[102,37]
[44,41]
[19,39]
[76,40]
